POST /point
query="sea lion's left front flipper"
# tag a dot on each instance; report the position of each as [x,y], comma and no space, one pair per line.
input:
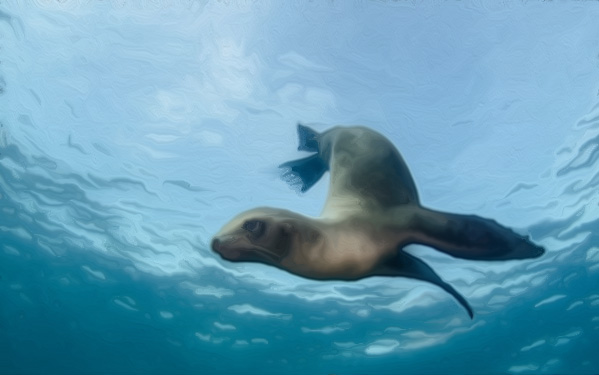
[469,236]
[407,265]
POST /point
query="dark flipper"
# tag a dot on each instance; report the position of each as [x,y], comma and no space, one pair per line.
[407,265]
[307,171]
[470,237]
[304,172]
[308,139]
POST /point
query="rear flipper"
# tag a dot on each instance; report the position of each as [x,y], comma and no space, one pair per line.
[470,237]
[304,172]
[308,139]
[407,265]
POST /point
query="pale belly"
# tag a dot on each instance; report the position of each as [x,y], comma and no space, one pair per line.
[345,254]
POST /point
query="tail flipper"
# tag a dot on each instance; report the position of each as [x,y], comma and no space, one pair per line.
[308,139]
[407,265]
[470,237]
[304,172]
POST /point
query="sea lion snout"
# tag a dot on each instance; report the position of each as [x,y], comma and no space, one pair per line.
[226,252]
[215,244]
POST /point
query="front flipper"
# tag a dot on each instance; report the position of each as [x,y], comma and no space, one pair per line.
[407,265]
[469,236]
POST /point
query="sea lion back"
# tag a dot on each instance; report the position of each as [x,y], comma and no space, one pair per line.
[367,171]
[366,166]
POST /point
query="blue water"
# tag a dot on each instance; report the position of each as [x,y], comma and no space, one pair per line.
[131,131]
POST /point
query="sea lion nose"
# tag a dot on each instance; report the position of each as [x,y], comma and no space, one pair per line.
[215,244]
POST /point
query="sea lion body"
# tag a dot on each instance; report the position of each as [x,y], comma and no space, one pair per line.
[371,213]
[319,249]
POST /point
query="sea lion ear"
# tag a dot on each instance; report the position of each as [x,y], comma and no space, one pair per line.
[288,228]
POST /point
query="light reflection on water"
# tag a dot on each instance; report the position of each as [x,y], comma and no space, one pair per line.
[129,135]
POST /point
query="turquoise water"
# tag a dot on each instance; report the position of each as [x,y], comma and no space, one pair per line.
[131,131]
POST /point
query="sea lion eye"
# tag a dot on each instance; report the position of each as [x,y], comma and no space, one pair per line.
[255,227]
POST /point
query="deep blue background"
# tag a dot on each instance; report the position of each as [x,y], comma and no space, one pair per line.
[130,131]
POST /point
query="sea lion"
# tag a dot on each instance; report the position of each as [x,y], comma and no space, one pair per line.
[371,213]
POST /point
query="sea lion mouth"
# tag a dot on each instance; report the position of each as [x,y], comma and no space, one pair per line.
[270,255]
[237,254]
[229,254]
[226,252]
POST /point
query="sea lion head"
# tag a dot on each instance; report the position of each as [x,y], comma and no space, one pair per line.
[262,235]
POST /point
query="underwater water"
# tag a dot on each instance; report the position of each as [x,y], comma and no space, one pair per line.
[131,131]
